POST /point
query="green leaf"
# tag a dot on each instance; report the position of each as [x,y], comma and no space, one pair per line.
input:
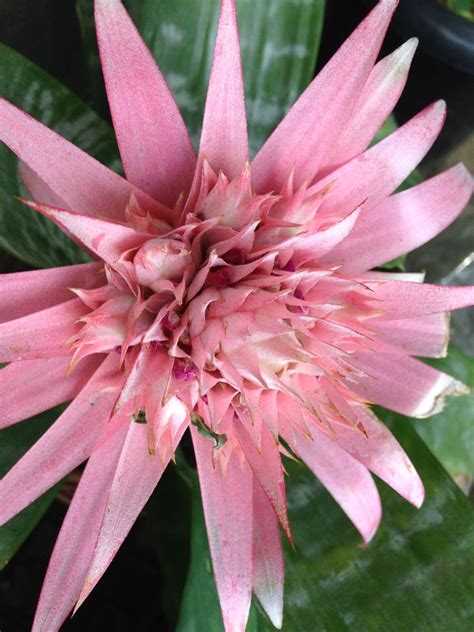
[416,574]
[15,441]
[23,232]
[450,434]
[169,519]
[134,7]
[464,8]
[396,264]
[279,45]
[200,606]
[96,87]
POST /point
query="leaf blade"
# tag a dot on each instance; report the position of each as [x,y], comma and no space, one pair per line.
[15,441]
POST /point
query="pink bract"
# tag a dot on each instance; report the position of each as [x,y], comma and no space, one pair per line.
[237,295]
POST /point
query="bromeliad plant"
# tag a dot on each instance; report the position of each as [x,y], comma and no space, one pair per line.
[236,299]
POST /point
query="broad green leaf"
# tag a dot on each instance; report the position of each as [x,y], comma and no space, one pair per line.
[15,441]
[169,518]
[417,573]
[450,434]
[24,233]
[464,8]
[134,7]
[200,606]
[95,81]
[279,45]
[396,264]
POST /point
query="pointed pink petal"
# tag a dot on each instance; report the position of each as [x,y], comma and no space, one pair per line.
[426,336]
[267,469]
[375,174]
[75,177]
[304,138]
[151,367]
[108,240]
[405,299]
[346,480]
[227,501]
[381,453]
[403,384]
[39,190]
[154,143]
[224,141]
[76,541]
[44,334]
[65,445]
[377,100]
[268,562]
[322,242]
[404,221]
[27,292]
[30,387]
[135,478]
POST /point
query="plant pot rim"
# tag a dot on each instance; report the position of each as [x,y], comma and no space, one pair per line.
[443,34]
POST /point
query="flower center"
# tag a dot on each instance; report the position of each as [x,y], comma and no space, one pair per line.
[233,291]
[161,260]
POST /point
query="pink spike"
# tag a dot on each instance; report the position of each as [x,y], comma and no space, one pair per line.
[30,387]
[219,399]
[224,141]
[316,245]
[268,562]
[154,143]
[403,222]
[72,175]
[376,101]
[152,367]
[135,478]
[76,541]
[65,445]
[380,452]
[426,336]
[376,173]
[38,189]
[267,469]
[27,292]
[43,334]
[108,240]
[227,501]
[403,384]
[404,299]
[304,138]
[346,480]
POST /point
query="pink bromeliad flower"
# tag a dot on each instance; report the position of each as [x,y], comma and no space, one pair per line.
[236,299]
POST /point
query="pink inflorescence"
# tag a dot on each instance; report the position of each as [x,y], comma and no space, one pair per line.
[238,299]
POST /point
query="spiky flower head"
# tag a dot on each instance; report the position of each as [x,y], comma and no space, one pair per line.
[236,299]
